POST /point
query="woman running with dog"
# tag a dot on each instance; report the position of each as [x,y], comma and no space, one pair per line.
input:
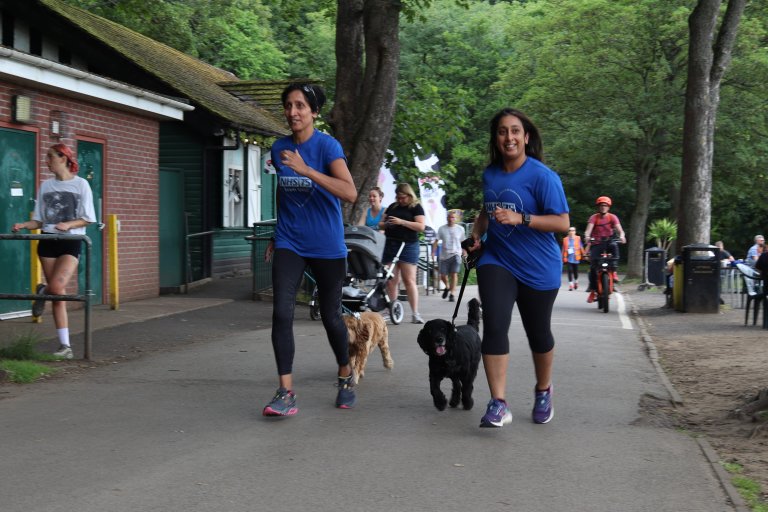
[313,180]
[523,206]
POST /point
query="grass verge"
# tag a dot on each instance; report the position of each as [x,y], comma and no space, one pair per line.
[24,372]
[19,359]
[748,488]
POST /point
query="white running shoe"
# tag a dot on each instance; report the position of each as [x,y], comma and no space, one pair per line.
[64,352]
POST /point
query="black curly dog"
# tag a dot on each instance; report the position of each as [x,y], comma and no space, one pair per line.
[454,353]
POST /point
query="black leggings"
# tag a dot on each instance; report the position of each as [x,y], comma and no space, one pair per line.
[287,271]
[573,271]
[499,291]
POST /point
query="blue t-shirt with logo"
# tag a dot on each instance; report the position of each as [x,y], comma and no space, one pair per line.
[532,256]
[309,220]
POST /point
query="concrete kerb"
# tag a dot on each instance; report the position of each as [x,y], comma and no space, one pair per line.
[676,400]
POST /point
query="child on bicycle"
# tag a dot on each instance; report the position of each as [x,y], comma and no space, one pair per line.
[601,226]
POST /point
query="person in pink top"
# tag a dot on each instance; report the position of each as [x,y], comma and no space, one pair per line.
[602,225]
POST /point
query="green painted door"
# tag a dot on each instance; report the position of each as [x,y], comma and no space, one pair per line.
[17,201]
[171,228]
[90,156]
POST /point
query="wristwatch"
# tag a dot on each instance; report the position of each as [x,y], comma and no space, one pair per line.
[526,219]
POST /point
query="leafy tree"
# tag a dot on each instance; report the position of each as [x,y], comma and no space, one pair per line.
[305,32]
[160,20]
[739,176]
[607,100]
[449,62]
[367,59]
[707,63]
[235,35]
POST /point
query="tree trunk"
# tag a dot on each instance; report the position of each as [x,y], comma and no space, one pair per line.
[644,181]
[367,60]
[706,67]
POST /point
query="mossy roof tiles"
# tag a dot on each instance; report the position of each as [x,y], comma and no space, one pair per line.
[262,93]
[191,77]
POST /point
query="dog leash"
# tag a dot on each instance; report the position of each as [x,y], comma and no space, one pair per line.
[470,262]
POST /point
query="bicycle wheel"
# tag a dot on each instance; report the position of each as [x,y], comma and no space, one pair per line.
[396,312]
[605,283]
[314,305]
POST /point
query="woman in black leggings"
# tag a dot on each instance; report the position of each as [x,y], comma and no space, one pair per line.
[313,180]
[287,272]
[523,205]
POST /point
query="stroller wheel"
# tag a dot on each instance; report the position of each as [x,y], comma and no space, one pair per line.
[314,306]
[396,312]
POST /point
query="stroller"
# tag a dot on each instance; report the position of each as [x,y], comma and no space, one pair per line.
[366,288]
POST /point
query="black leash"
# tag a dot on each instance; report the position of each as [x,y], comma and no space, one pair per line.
[469,263]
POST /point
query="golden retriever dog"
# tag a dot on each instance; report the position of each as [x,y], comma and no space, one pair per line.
[367,330]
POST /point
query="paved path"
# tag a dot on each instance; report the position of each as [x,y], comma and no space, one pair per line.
[179,428]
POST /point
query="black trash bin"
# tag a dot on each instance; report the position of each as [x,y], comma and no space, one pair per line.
[655,266]
[701,275]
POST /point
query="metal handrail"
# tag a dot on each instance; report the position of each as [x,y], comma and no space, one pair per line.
[85,297]
[188,256]
[256,236]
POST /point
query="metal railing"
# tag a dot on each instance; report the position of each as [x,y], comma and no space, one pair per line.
[188,256]
[426,267]
[85,297]
[260,270]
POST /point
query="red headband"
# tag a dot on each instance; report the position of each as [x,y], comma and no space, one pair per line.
[71,160]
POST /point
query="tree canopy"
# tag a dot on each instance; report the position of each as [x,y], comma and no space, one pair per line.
[604,79]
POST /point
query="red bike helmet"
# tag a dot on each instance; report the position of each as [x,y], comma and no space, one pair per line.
[603,199]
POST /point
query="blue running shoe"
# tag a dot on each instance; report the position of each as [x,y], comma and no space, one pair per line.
[282,404]
[542,406]
[345,399]
[496,415]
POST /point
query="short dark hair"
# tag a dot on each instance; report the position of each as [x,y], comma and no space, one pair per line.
[314,94]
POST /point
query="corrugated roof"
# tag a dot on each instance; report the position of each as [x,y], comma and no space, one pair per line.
[191,77]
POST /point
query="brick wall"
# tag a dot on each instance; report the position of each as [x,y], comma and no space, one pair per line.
[130,177]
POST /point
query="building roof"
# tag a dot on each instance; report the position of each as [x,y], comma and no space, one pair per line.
[25,68]
[192,78]
[262,93]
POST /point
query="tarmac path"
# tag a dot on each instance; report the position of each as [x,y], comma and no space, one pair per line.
[170,420]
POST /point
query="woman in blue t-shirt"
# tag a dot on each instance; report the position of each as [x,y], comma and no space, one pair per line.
[313,179]
[523,206]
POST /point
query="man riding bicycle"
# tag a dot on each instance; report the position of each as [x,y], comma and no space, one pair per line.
[601,226]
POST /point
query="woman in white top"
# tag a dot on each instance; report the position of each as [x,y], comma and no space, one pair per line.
[64,206]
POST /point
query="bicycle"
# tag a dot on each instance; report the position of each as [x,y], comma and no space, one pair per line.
[607,265]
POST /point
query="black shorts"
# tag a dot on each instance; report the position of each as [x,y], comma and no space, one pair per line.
[56,248]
